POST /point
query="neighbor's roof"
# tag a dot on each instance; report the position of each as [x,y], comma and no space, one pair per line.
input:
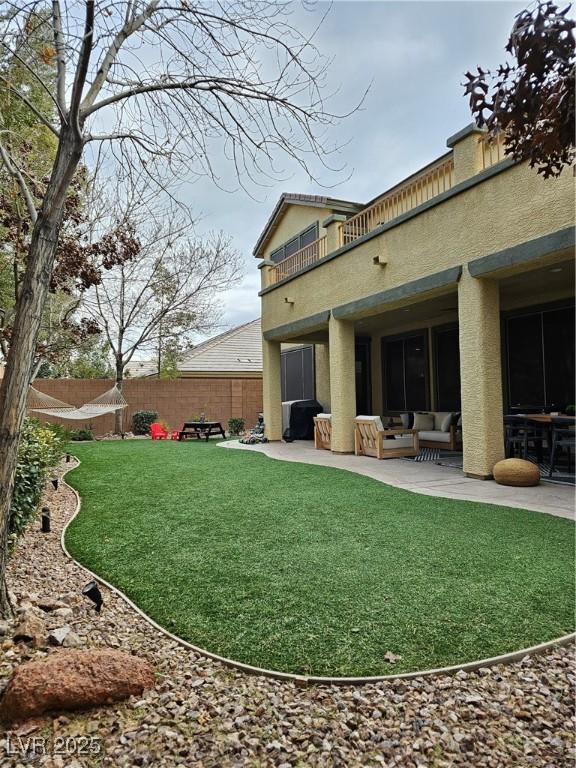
[236,351]
[290,198]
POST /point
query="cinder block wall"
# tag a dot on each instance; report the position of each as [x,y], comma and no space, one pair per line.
[175,400]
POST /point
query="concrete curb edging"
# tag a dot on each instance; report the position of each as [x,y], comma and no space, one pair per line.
[303,680]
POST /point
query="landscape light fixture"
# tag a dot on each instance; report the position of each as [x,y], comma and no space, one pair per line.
[92,592]
[54,482]
[67,458]
[45,518]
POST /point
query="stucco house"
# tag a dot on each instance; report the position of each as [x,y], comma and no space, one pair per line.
[452,291]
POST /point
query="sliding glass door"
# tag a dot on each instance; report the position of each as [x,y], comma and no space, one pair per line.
[540,358]
[405,372]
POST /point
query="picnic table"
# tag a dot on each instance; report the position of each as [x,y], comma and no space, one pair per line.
[200,429]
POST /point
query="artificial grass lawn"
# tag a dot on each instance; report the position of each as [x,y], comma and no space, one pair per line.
[314,570]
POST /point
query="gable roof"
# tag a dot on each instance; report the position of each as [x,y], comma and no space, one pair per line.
[290,198]
[236,351]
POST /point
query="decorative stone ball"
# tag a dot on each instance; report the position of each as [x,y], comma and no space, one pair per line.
[517,472]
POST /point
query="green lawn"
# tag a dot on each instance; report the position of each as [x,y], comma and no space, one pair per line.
[313,570]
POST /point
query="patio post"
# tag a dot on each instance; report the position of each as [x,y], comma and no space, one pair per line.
[342,384]
[272,389]
[481,374]
[322,375]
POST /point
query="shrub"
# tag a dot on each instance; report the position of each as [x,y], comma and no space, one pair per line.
[81,434]
[141,421]
[236,426]
[41,448]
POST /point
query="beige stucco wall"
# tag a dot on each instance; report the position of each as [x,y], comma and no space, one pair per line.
[508,209]
[296,218]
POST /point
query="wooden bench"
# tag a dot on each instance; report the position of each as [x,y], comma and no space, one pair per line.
[322,431]
[370,439]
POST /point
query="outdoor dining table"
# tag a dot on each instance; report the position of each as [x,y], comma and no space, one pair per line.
[546,421]
[200,429]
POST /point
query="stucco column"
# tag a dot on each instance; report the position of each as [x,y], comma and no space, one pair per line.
[272,389]
[481,374]
[342,385]
[467,148]
[322,375]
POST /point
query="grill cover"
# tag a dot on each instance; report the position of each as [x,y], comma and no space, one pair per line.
[300,419]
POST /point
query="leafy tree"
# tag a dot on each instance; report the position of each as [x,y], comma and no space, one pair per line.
[532,100]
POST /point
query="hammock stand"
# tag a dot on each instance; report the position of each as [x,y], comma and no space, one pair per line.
[108,402]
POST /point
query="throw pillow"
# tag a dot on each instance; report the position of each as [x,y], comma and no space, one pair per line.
[442,421]
[424,422]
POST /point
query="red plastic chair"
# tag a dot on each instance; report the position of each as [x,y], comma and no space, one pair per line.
[158,432]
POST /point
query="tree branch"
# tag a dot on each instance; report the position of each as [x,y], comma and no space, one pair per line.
[16,174]
[60,57]
[30,106]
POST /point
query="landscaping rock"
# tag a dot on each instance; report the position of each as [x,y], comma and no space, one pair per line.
[58,635]
[30,629]
[73,680]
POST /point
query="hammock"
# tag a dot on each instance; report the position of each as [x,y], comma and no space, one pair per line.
[108,402]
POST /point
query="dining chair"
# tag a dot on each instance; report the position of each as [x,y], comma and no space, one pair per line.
[563,438]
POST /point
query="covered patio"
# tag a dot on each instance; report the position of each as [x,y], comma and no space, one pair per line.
[484,341]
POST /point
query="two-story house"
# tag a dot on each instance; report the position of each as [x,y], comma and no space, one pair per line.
[454,291]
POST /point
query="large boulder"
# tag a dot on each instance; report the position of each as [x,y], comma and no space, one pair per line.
[68,680]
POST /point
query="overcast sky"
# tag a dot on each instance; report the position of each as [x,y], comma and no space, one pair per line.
[414,55]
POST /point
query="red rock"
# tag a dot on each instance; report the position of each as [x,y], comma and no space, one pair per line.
[68,680]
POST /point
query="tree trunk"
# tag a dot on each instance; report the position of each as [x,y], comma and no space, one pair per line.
[33,292]
[119,414]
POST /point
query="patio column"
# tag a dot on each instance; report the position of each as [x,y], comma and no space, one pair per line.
[322,375]
[481,374]
[342,384]
[272,389]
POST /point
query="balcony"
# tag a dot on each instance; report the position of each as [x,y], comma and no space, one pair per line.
[417,190]
[299,260]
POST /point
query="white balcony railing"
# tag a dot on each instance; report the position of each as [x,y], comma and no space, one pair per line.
[299,260]
[417,190]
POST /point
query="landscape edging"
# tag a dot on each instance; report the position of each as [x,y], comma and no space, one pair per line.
[471,666]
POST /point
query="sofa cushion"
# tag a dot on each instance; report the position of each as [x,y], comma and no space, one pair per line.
[407,420]
[442,420]
[376,420]
[398,442]
[423,421]
[435,435]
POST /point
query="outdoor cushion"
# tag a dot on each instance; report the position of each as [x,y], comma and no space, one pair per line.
[398,442]
[442,421]
[376,420]
[423,421]
[435,435]
[324,416]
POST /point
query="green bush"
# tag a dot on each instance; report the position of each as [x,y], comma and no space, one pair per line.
[236,426]
[81,434]
[141,421]
[41,448]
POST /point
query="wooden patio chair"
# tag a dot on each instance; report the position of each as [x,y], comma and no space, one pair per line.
[370,439]
[322,431]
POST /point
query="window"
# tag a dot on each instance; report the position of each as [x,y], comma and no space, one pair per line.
[306,237]
[540,358]
[298,374]
[405,364]
[447,368]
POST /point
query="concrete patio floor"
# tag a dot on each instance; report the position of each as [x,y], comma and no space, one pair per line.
[426,478]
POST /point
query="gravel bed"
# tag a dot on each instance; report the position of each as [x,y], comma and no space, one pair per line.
[202,713]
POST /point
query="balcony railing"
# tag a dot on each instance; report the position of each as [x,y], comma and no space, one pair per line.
[403,198]
[492,150]
[299,260]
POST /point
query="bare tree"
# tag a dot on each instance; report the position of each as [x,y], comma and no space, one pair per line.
[152,79]
[169,287]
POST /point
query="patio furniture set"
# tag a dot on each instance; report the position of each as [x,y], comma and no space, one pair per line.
[420,430]
[197,429]
[526,435]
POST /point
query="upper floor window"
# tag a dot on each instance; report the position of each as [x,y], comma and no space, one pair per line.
[306,237]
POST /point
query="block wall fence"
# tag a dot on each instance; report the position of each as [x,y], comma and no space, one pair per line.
[175,400]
